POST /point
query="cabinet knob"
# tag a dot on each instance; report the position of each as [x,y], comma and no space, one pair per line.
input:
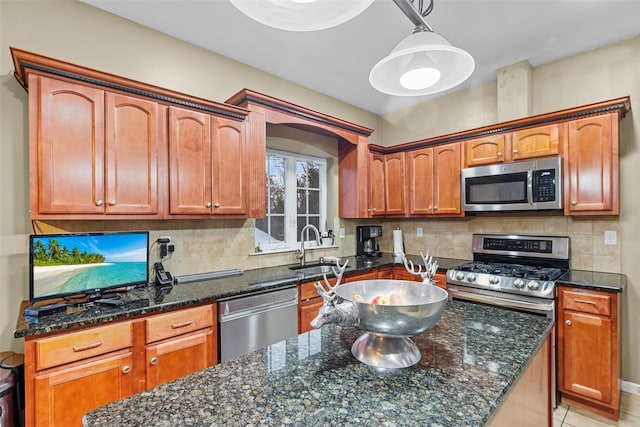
[430,207]
[573,203]
[99,202]
[567,322]
[126,369]
[208,205]
[435,208]
[153,361]
[499,154]
[112,202]
[217,205]
[515,151]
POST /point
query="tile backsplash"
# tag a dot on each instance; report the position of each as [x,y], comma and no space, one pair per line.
[210,245]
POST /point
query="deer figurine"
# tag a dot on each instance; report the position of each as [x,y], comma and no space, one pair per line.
[430,267]
[345,313]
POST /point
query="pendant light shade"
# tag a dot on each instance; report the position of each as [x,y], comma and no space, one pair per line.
[421,64]
[301,15]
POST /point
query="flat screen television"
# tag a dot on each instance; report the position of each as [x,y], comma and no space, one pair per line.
[86,263]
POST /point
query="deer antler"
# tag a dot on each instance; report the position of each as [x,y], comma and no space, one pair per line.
[329,294]
[430,267]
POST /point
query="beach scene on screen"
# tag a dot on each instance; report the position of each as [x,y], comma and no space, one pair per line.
[75,264]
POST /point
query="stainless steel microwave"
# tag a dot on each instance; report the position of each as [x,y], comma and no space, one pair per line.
[517,186]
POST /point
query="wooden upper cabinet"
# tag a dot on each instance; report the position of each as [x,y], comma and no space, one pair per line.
[229,170]
[434,180]
[446,179]
[134,133]
[67,147]
[206,164]
[94,152]
[394,184]
[591,173]
[376,185]
[536,142]
[485,150]
[189,162]
[420,181]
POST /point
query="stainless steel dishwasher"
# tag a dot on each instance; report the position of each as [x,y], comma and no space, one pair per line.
[256,321]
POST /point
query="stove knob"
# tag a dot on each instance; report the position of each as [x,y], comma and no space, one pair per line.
[494,280]
[460,275]
[533,285]
[518,283]
[471,277]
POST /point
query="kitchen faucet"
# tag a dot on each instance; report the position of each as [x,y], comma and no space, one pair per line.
[300,252]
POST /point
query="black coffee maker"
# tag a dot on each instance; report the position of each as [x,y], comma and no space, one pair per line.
[367,240]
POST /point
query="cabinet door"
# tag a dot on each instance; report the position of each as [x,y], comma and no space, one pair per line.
[394,184]
[67,152]
[177,357]
[420,181]
[586,358]
[228,158]
[377,189]
[592,178]
[64,395]
[189,162]
[446,180]
[485,150]
[132,146]
[535,142]
[308,312]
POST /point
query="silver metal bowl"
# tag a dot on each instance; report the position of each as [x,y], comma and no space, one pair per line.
[386,342]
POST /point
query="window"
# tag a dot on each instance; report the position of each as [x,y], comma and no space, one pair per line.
[296,196]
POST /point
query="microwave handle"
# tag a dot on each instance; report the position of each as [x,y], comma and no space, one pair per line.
[530,187]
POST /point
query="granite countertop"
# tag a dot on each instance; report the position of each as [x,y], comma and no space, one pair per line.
[151,299]
[610,282]
[470,361]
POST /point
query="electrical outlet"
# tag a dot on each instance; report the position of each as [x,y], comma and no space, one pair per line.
[610,237]
[342,233]
[419,232]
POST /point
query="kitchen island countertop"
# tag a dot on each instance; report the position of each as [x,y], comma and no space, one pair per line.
[470,361]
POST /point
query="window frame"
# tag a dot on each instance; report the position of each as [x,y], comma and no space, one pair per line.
[291,235]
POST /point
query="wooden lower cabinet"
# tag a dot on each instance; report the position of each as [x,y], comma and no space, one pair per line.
[71,373]
[588,350]
[63,396]
[307,311]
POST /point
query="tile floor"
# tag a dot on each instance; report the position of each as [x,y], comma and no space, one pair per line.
[570,416]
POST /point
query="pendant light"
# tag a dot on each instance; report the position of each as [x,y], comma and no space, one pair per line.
[301,15]
[422,63]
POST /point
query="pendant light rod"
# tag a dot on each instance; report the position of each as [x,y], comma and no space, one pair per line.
[414,16]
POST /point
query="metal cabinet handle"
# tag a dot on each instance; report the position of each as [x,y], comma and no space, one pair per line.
[99,202]
[515,151]
[435,208]
[568,322]
[181,324]
[217,205]
[573,203]
[585,301]
[88,346]
[112,202]
[153,361]
[499,154]
[125,369]
[208,205]
[430,208]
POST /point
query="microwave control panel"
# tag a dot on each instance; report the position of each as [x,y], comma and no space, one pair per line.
[544,185]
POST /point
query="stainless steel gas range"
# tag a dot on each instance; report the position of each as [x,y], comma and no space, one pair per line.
[514,271]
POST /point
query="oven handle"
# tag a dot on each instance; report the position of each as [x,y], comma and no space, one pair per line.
[504,302]
[530,187]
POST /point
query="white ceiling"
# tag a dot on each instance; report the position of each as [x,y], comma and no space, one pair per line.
[337,61]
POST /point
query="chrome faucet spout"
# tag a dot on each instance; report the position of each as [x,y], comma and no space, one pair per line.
[301,253]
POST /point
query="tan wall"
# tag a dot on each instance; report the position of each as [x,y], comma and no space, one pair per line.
[81,34]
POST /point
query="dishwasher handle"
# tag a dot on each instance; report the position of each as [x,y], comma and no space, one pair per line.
[247,306]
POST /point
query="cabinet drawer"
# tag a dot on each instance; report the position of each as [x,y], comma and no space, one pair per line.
[180,322]
[308,290]
[595,303]
[83,344]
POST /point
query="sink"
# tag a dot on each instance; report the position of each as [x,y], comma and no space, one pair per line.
[313,269]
